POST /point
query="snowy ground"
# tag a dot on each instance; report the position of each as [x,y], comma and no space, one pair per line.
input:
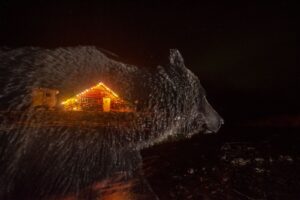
[237,163]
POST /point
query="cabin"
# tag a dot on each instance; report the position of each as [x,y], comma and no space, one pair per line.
[44,98]
[97,98]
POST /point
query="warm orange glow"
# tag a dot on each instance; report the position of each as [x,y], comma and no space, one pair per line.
[106,104]
[98,86]
[97,98]
[101,84]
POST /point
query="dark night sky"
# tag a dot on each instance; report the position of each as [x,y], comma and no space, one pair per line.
[244,53]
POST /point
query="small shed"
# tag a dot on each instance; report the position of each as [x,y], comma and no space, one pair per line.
[98,98]
[44,98]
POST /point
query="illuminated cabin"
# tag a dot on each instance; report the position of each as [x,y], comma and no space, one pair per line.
[98,98]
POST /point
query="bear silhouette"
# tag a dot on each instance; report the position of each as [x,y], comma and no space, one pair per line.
[82,161]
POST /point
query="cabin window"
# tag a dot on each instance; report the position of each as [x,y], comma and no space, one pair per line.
[48,94]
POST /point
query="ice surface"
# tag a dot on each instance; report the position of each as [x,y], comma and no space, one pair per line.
[41,161]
